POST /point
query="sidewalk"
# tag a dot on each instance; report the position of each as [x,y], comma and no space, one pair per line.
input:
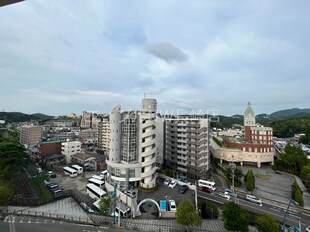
[305,192]
[68,210]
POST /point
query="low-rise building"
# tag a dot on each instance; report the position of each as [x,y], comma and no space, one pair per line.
[69,148]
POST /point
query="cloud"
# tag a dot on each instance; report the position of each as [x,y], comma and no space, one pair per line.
[167,52]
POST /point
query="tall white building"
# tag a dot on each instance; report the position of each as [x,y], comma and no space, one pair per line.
[104,134]
[132,150]
[69,148]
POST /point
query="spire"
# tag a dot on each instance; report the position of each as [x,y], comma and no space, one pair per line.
[249,116]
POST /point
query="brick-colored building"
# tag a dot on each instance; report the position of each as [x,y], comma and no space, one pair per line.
[48,148]
[256,145]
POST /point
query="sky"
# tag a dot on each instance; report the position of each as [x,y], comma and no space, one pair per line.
[60,57]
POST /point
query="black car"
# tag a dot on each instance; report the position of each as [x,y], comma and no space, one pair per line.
[183,189]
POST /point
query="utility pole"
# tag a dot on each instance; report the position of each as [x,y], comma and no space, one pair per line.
[233,168]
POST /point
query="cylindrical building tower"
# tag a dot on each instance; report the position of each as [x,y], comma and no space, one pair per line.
[115,135]
[147,129]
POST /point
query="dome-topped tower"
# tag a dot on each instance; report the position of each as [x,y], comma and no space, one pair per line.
[249,116]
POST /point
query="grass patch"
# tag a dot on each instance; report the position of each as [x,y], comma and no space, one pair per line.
[148,189]
[39,188]
[263,177]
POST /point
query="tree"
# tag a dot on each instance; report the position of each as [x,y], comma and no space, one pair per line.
[187,215]
[237,176]
[169,173]
[305,175]
[249,178]
[235,218]
[266,223]
[104,205]
[293,159]
[298,197]
[5,194]
[205,211]
[215,211]
[12,159]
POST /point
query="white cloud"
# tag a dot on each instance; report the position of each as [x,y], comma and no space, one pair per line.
[72,56]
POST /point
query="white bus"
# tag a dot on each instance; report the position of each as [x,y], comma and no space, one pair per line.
[96,182]
[95,192]
[78,168]
[105,174]
[70,171]
[98,177]
[208,184]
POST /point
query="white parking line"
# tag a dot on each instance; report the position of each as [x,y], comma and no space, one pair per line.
[294,216]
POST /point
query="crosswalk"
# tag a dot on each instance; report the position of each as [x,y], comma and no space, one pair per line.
[292,213]
[15,219]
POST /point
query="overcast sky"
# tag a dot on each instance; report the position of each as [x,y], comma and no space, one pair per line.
[59,57]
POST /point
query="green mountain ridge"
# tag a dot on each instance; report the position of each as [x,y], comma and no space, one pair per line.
[21,117]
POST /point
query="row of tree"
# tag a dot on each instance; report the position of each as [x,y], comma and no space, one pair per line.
[293,160]
[297,194]
[305,176]
[249,180]
[238,219]
[289,127]
[12,160]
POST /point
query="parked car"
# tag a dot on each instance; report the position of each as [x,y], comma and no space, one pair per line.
[183,179]
[173,206]
[183,189]
[206,190]
[172,184]
[308,229]
[254,199]
[167,181]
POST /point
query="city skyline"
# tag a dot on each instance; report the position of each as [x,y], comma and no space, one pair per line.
[62,57]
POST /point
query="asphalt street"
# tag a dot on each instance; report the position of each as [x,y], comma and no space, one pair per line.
[294,216]
[31,224]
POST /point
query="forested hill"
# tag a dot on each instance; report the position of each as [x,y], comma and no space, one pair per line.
[21,117]
[289,127]
[290,113]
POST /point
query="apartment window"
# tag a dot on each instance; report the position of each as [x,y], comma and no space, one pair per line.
[132,173]
[117,172]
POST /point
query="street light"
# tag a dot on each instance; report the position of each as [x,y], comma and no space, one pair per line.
[284,218]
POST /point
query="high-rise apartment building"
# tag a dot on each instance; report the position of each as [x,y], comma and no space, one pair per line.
[89,120]
[187,146]
[30,135]
[86,120]
[104,134]
[132,149]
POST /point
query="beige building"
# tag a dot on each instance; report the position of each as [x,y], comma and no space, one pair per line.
[86,120]
[69,148]
[30,135]
[104,134]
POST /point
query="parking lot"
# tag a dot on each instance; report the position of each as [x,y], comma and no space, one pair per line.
[149,210]
[79,182]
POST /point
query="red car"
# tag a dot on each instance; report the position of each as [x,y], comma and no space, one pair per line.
[206,190]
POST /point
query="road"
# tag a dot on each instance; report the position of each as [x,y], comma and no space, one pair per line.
[293,216]
[31,224]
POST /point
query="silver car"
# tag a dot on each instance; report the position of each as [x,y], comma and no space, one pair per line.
[254,199]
